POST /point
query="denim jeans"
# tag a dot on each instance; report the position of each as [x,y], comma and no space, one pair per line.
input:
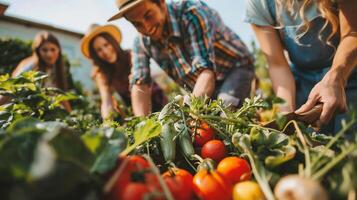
[236,86]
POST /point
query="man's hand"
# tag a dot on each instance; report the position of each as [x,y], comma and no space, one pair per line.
[141,100]
[331,92]
[205,83]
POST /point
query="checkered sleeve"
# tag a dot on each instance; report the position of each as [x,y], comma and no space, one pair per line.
[201,36]
[140,73]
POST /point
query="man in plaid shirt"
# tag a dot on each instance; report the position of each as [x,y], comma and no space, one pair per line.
[192,45]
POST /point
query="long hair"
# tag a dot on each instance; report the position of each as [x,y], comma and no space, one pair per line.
[122,63]
[41,38]
[325,7]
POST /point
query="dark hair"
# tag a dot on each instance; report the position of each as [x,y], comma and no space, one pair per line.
[123,58]
[41,38]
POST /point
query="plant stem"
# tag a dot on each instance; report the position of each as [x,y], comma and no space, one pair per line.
[189,163]
[110,183]
[261,178]
[333,141]
[306,148]
[166,190]
[319,174]
[238,120]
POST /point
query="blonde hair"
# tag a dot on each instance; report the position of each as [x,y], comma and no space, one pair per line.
[325,7]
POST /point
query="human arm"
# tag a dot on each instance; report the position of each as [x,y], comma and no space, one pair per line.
[140,80]
[107,106]
[141,99]
[331,89]
[279,70]
[200,30]
[205,83]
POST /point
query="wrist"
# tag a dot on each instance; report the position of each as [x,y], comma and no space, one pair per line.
[205,83]
[336,76]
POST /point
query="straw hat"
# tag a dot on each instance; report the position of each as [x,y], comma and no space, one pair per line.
[96,29]
[124,6]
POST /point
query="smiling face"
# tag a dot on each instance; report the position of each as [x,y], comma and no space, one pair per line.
[104,50]
[49,53]
[149,18]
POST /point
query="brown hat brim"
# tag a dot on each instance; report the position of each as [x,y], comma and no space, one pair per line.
[125,9]
[111,29]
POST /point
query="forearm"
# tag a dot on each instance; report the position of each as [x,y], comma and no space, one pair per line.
[106,108]
[205,84]
[345,60]
[283,85]
[141,100]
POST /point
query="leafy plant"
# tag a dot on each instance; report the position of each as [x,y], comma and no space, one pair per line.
[28,98]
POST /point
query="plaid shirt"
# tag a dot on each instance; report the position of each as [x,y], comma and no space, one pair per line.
[197,39]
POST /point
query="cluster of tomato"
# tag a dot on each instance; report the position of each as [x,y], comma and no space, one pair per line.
[204,139]
[231,176]
[226,180]
[136,181]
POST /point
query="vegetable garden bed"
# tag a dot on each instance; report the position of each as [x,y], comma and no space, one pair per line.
[195,148]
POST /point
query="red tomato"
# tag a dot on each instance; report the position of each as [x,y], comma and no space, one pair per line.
[234,169]
[135,191]
[204,133]
[214,149]
[179,182]
[211,185]
[134,164]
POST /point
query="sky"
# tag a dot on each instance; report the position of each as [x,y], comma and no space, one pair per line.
[78,15]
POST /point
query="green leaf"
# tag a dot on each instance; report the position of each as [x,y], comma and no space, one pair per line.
[17,154]
[150,129]
[62,97]
[23,123]
[107,148]
[4,77]
[277,140]
[44,161]
[287,153]
[69,146]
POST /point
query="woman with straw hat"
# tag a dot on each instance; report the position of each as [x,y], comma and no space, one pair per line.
[111,68]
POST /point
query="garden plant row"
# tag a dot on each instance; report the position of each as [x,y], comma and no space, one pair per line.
[195,148]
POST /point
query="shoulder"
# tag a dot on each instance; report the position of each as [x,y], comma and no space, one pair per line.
[193,12]
[190,7]
[258,12]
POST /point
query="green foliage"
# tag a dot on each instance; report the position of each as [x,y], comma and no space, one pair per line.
[49,160]
[29,99]
[12,51]
[105,143]
[144,132]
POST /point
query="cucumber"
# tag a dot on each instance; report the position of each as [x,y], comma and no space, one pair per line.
[186,145]
[168,143]
[185,140]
